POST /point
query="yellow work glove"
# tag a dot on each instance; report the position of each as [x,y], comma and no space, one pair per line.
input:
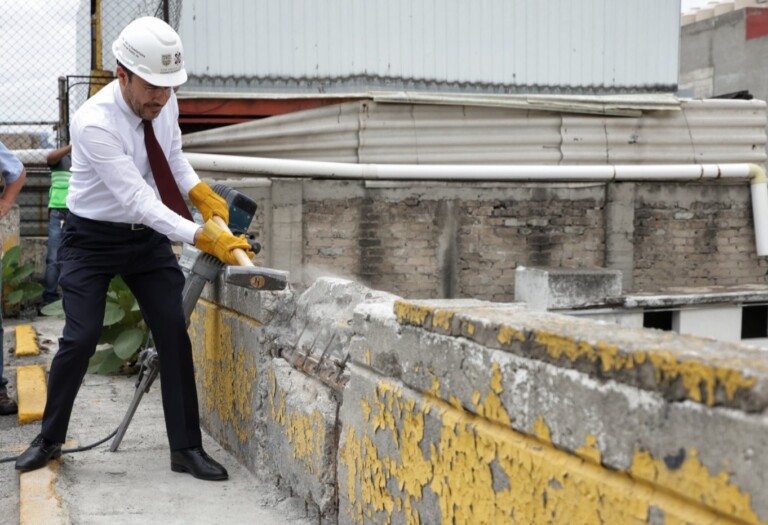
[222,244]
[209,202]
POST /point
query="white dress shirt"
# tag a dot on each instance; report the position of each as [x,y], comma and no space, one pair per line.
[111,178]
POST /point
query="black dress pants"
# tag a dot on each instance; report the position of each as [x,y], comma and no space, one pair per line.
[91,254]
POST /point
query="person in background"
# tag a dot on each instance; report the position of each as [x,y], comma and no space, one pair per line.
[126,205]
[60,161]
[14,174]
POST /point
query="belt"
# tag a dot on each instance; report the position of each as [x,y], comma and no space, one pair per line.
[122,225]
[109,224]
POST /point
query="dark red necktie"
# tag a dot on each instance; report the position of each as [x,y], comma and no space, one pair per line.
[161,171]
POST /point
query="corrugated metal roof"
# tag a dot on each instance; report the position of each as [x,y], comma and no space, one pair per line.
[701,131]
[506,46]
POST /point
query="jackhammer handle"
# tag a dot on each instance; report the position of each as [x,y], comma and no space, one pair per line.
[240,255]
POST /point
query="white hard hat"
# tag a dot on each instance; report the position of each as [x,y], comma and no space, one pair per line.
[151,49]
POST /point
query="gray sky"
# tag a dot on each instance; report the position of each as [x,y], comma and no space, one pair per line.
[32,58]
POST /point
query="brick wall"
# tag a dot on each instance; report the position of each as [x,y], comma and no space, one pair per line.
[443,240]
[695,235]
[532,226]
[423,244]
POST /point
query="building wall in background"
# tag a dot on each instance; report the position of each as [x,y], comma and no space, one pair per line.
[433,240]
[726,54]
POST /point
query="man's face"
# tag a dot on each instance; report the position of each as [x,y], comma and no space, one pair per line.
[144,99]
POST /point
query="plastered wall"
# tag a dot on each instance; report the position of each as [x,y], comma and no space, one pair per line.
[467,411]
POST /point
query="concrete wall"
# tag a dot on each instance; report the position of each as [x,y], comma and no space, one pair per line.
[464,411]
[725,54]
[443,240]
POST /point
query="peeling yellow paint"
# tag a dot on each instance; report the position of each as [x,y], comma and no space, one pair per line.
[700,379]
[228,374]
[591,451]
[492,408]
[442,319]
[435,388]
[541,430]
[305,432]
[691,477]
[482,472]
[411,313]
[508,335]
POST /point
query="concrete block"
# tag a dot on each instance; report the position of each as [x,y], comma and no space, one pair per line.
[554,288]
[301,435]
[409,457]
[606,422]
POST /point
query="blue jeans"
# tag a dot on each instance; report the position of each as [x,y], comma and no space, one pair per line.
[56,220]
[3,380]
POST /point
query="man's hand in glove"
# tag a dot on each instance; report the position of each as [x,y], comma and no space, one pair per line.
[221,244]
[209,202]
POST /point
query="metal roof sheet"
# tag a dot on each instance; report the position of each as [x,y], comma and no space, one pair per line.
[505,46]
[699,131]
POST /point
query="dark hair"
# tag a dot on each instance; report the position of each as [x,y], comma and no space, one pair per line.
[128,71]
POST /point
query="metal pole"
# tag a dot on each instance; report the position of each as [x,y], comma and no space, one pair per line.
[63,125]
[166,17]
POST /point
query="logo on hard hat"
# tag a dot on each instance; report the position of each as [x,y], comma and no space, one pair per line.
[166,59]
[177,58]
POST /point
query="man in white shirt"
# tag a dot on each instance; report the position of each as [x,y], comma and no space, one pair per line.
[125,206]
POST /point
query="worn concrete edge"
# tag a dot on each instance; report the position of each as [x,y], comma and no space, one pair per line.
[298,442]
[26,341]
[679,367]
[39,500]
[685,447]
[392,420]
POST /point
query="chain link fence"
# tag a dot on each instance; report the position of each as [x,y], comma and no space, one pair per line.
[54,56]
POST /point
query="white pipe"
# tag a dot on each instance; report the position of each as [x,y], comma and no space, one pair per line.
[759,189]
[508,173]
[466,172]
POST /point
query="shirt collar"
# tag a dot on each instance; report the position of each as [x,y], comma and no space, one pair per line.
[132,117]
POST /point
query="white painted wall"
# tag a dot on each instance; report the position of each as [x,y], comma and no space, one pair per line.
[721,322]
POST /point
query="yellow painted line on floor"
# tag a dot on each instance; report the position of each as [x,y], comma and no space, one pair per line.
[32,391]
[26,340]
[39,502]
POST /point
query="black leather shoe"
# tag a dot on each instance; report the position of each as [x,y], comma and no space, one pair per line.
[38,454]
[198,463]
[7,405]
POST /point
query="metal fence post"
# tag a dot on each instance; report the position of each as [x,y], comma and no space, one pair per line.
[62,135]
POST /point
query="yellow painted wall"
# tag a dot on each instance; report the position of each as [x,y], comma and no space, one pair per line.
[483,472]
[226,371]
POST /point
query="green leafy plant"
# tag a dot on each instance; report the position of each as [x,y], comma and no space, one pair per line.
[18,287]
[123,332]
